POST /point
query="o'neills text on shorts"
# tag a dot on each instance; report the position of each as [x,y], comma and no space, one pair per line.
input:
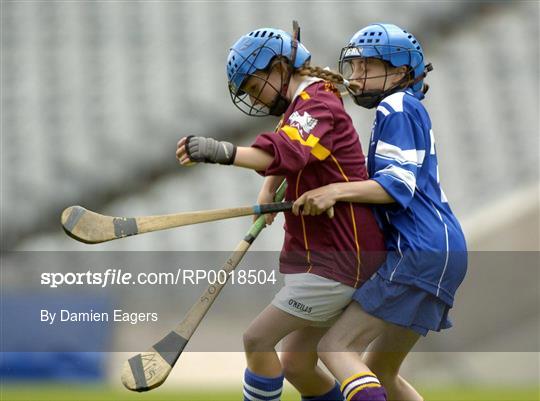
[300,306]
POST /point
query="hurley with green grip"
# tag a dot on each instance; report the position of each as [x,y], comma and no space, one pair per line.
[148,370]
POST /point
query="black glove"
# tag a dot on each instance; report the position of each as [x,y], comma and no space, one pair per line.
[208,150]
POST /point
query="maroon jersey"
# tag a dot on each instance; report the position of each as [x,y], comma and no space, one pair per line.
[316,145]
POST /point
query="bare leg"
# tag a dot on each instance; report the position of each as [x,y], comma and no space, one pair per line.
[385,356]
[339,349]
[263,334]
[299,359]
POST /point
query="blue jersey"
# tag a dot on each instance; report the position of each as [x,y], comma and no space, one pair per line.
[425,242]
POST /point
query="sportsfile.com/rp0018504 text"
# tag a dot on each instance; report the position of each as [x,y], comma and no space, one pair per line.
[111,277]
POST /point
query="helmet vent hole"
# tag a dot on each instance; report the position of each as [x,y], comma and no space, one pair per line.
[263,34]
[271,34]
[414,41]
[410,36]
[370,40]
[365,33]
[371,33]
[256,34]
[380,33]
[377,40]
[250,34]
[361,41]
[417,47]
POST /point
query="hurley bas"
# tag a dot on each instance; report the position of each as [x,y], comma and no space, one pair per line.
[118,315]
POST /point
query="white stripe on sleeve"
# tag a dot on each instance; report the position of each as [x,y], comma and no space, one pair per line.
[383,110]
[405,176]
[393,152]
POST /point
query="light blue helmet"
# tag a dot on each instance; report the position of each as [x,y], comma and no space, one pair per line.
[392,44]
[255,51]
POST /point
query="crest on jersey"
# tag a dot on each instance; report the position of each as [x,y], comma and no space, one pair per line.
[304,123]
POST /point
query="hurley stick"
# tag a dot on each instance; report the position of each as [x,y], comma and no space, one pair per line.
[150,369]
[93,228]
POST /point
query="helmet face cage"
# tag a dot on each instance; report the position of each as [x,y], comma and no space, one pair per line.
[387,54]
[251,103]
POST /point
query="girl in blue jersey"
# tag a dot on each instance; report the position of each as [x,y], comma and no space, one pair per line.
[414,289]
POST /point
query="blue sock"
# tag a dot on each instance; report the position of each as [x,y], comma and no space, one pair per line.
[333,395]
[262,388]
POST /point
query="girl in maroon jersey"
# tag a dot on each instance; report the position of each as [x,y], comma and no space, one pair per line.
[324,260]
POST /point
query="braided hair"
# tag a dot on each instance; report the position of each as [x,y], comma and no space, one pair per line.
[327,75]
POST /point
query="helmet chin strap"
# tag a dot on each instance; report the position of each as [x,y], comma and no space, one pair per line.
[281,102]
[279,106]
[370,99]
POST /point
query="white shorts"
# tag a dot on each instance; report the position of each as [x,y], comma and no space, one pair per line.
[313,297]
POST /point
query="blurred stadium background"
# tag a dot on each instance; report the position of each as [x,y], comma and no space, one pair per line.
[96,94]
